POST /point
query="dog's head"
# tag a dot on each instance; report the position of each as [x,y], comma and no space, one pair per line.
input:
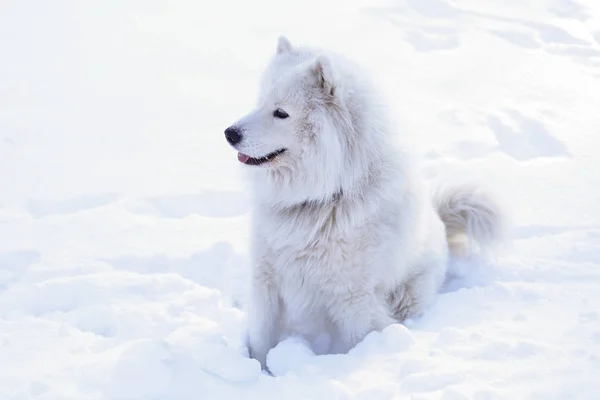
[301,139]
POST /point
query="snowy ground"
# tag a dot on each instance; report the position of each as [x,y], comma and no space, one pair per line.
[123,213]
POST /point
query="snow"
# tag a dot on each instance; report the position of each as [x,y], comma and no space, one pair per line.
[124,214]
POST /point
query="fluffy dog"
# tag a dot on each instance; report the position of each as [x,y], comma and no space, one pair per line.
[345,237]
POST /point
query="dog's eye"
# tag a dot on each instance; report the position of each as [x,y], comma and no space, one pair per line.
[279,113]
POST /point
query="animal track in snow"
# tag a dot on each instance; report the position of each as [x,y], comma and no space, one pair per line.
[523,39]
[553,34]
[434,8]
[529,140]
[430,25]
[569,9]
[426,40]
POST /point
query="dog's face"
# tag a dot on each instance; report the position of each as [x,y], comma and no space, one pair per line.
[290,110]
[272,135]
[296,135]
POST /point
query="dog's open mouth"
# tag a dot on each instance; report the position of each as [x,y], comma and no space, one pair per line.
[258,161]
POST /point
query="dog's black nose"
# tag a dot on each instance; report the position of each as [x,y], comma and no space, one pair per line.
[232,134]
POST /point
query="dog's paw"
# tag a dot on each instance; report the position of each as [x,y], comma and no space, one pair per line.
[258,355]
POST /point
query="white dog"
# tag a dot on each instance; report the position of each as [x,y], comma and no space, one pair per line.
[345,240]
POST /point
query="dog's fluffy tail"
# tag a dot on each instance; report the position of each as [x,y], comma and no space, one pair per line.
[472,219]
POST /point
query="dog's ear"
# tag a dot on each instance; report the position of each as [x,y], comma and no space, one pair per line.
[283,45]
[325,74]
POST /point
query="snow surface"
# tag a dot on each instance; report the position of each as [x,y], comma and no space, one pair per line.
[124,214]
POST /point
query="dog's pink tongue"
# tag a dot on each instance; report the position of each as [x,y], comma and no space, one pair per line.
[243,158]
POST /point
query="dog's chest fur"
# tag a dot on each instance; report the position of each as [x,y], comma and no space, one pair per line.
[316,251]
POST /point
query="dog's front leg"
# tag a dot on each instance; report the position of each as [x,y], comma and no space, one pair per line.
[263,317]
[356,314]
